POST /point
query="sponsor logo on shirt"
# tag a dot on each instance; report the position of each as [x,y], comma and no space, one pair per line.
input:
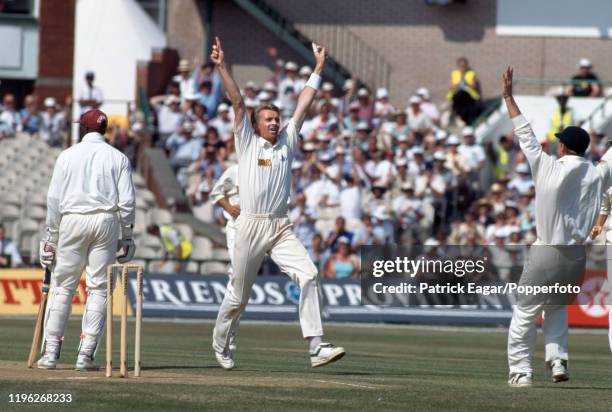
[264,162]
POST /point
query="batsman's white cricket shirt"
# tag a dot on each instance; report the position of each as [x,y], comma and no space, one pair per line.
[568,190]
[227,185]
[91,176]
[264,175]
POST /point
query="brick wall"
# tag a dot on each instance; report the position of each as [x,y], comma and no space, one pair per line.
[56,49]
[184,29]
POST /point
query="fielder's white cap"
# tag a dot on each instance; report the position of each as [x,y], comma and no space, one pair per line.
[522,168]
[50,102]
[381,93]
[363,126]
[291,66]
[305,71]
[453,140]
[423,92]
[363,92]
[414,100]
[270,87]
[251,85]
[467,131]
[264,96]
[327,87]
[223,107]
[584,62]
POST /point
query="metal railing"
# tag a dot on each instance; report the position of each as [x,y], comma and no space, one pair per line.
[348,55]
[600,109]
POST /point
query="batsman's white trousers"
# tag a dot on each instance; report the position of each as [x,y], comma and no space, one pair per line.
[86,241]
[256,235]
[544,265]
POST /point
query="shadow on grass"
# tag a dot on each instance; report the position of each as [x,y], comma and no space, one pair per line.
[158,368]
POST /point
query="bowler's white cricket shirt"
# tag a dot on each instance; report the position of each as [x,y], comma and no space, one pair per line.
[91,176]
[227,185]
[264,172]
[568,190]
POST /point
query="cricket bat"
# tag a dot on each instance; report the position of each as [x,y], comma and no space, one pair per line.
[40,320]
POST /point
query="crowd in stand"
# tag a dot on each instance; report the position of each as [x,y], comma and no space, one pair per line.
[368,173]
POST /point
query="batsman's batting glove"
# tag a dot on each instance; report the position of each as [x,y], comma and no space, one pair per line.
[47,249]
[126,247]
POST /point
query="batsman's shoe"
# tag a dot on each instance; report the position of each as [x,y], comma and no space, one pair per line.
[520,380]
[559,371]
[86,363]
[325,353]
[224,359]
[47,361]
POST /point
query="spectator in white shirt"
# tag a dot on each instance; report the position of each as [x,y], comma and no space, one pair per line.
[473,153]
[224,123]
[9,255]
[90,96]
[10,121]
[429,108]
[522,182]
[383,109]
[419,122]
[169,117]
[53,124]
[184,79]
[350,199]
[289,88]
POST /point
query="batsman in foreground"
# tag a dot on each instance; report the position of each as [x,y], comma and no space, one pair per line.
[265,155]
[566,190]
[90,199]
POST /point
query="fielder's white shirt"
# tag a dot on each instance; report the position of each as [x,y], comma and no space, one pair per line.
[90,93]
[568,190]
[264,172]
[227,185]
[91,176]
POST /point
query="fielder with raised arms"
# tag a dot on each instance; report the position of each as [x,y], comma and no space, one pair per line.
[566,190]
[90,200]
[264,177]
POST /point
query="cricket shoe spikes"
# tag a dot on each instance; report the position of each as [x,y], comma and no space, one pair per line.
[47,361]
[325,353]
[520,380]
[86,363]
[224,359]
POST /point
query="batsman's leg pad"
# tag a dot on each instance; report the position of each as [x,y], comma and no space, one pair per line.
[93,321]
[58,311]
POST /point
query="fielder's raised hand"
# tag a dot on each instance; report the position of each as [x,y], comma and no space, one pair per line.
[217,55]
[320,54]
[507,82]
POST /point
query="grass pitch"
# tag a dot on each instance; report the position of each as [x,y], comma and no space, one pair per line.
[386,368]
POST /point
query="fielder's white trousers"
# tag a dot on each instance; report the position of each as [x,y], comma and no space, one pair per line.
[86,241]
[544,265]
[256,235]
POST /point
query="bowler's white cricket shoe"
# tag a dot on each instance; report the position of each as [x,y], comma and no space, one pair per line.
[325,353]
[47,361]
[225,360]
[559,371]
[86,363]
[520,380]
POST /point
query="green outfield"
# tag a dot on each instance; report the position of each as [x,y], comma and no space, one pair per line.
[386,368]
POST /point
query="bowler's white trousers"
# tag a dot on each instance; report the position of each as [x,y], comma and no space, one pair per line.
[86,241]
[255,236]
[544,265]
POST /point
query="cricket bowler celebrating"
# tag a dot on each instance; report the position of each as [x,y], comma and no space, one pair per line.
[90,200]
[264,177]
[566,190]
